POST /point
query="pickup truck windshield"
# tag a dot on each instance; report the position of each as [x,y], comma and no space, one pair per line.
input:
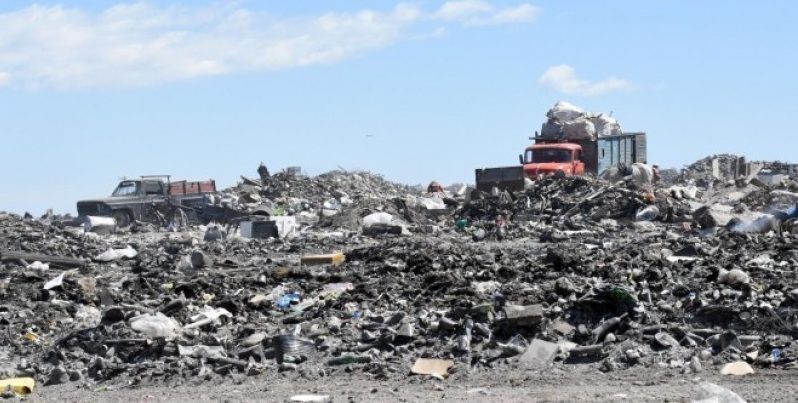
[126,188]
[545,155]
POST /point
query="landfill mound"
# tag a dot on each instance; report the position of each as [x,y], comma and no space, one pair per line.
[319,197]
[389,281]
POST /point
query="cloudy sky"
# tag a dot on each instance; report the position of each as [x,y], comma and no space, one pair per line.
[92,91]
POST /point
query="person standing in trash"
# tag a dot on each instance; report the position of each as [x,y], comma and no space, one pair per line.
[434,187]
[500,231]
[263,172]
[655,176]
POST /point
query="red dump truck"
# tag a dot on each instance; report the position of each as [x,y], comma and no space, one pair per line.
[567,157]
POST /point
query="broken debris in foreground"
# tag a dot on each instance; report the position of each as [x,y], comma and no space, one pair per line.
[694,275]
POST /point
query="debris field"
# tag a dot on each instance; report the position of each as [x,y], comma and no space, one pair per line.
[693,273]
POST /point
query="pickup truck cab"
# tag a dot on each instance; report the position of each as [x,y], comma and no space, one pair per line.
[147,199]
[543,159]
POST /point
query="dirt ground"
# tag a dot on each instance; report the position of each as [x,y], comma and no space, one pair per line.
[554,385]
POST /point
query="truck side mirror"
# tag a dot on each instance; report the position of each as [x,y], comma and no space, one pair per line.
[521,159]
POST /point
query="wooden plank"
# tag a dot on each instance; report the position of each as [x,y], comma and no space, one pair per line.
[334,259]
[32,257]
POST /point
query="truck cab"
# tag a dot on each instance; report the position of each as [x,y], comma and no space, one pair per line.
[140,188]
[543,159]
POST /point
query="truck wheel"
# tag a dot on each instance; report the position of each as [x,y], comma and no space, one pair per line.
[122,218]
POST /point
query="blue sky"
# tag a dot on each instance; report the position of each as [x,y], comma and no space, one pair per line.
[93,91]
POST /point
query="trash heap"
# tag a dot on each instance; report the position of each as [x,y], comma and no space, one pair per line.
[336,200]
[570,271]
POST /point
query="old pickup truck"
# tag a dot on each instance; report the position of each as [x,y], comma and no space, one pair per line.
[155,199]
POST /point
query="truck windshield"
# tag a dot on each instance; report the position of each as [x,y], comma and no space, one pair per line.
[544,155]
[126,188]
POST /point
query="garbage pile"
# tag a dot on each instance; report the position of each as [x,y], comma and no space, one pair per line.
[336,200]
[568,121]
[569,271]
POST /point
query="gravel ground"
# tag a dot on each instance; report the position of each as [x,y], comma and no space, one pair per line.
[555,385]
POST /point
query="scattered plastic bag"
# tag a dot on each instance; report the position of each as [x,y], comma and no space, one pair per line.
[200,350]
[207,316]
[115,254]
[336,289]
[649,213]
[432,203]
[155,326]
[377,218]
[56,282]
[37,265]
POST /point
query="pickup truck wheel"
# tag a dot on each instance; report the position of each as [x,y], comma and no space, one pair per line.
[122,218]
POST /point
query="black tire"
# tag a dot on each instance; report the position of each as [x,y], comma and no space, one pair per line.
[122,218]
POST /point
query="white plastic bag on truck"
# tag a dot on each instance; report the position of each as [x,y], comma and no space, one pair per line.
[605,125]
[579,129]
[565,112]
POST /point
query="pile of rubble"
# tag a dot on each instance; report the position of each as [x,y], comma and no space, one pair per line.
[338,199]
[570,271]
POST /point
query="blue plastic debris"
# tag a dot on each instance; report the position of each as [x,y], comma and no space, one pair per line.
[286,300]
[775,354]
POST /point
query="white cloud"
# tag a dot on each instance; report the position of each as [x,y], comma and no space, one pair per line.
[479,12]
[463,10]
[518,14]
[139,44]
[563,78]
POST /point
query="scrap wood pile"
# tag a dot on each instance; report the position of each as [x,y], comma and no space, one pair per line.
[570,271]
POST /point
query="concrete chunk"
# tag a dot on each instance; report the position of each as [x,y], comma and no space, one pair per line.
[539,354]
[524,315]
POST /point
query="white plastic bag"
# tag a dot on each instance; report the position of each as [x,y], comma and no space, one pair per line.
[565,112]
[431,203]
[376,218]
[208,315]
[605,125]
[115,254]
[155,326]
[579,129]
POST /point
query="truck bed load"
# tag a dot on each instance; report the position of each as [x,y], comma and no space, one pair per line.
[569,122]
[179,188]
